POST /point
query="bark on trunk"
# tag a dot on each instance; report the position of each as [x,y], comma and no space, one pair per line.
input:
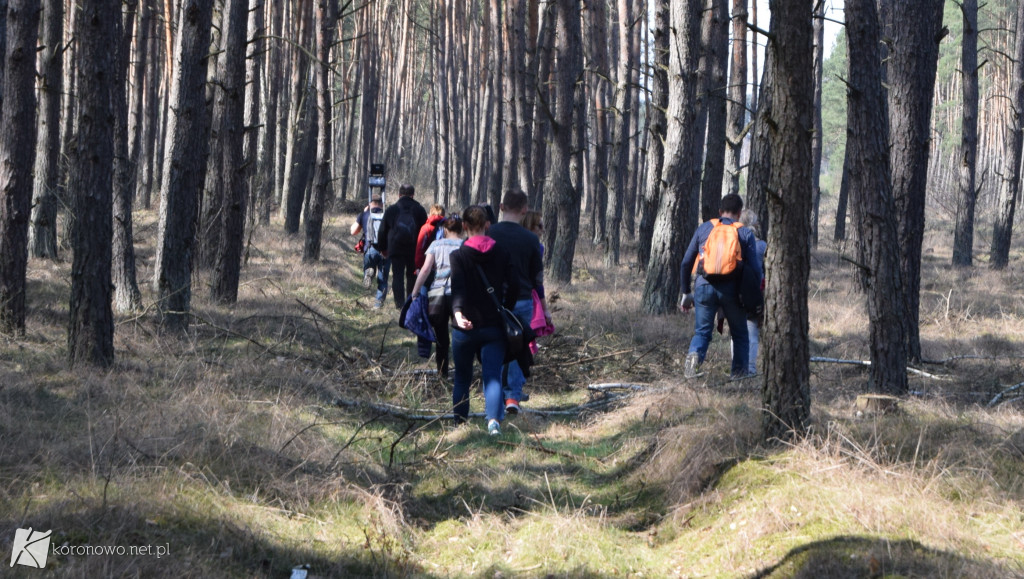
[43,235]
[91,325]
[326,21]
[565,194]
[915,32]
[718,55]
[677,209]
[760,165]
[1009,186]
[17,155]
[867,145]
[816,140]
[619,167]
[963,237]
[736,111]
[657,126]
[184,166]
[234,169]
[786,385]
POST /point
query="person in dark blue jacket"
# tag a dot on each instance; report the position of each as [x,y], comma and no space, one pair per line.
[719,292]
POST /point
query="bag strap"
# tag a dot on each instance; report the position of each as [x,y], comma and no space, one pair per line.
[490,290]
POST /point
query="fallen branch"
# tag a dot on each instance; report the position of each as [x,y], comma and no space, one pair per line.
[999,397]
[615,386]
[868,363]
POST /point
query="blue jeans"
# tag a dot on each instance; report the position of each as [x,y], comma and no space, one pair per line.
[512,375]
[708,298]
[753,335]
[373,258]
[490,343]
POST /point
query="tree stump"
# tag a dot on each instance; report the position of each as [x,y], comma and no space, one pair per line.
[876,404]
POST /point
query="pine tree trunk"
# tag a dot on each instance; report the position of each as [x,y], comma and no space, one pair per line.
[565,195]
[718,61]
[915,32]
[760,165]
[786,385]
[43,235]
[657,127]
[867,145]
[736,111]
[184,166]
[1009,186]
[963,237]
[816,139]
[619,161]
[326,21]
[676,218]
[843,199]
[91,325]
[127,296]
[17,156]
[234,170]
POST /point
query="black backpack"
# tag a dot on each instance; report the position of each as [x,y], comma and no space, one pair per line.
[402,237]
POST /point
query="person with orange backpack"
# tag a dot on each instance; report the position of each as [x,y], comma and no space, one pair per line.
[717,255]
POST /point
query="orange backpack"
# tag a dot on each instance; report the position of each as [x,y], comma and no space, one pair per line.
[721,256]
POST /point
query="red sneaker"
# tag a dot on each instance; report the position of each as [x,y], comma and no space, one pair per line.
[512,406]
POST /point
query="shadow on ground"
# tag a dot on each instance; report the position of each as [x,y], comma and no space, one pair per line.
[865,557]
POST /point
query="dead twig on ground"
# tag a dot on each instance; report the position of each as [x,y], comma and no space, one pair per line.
[999,397]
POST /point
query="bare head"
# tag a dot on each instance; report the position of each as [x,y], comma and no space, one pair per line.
[731,206]
[474,220]
[406,190]
[514,204]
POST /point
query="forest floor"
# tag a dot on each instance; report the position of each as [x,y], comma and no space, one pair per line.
[227,452]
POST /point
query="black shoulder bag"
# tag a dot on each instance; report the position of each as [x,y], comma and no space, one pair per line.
[515,338]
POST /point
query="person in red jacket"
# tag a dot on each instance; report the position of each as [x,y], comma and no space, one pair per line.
[435,217]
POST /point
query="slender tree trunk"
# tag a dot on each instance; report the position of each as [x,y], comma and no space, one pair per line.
[17,156]
[843,200]
[326,21]
[963,238]
[677,210]
[868,147]
[234,168]
[760,165]
[786,388]
[736,111]
[816,139]
[43,235]
[91,325]
[184,166]
[657,126]
[565,193]
[127,296]
[600,75]
[619,169]
[1009,186]
[915,32]
[255,135]
[155,76]
[718,61]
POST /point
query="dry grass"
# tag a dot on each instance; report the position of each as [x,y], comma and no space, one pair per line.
[225,444]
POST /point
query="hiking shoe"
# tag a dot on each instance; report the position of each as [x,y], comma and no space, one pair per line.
[493,427]
[368,275]
[691,365]
[512,406]
[524,397]
[740,376]
[378,304]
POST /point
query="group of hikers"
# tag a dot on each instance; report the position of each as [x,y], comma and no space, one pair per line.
[469,269]
[472,270]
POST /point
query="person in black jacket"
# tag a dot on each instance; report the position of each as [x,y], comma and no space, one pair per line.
[397,240]
[478,326]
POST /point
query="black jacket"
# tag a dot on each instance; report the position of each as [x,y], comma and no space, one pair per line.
[389,236]
[469,294]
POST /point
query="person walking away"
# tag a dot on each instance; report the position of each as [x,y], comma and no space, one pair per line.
[754,318]
[439,294]
[430,232]
[524,247]
[368,225]
[718,251]
[398,230]
[541,324]
[480,266]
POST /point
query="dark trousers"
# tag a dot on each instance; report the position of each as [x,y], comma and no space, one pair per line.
[403,277]
[440,325]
